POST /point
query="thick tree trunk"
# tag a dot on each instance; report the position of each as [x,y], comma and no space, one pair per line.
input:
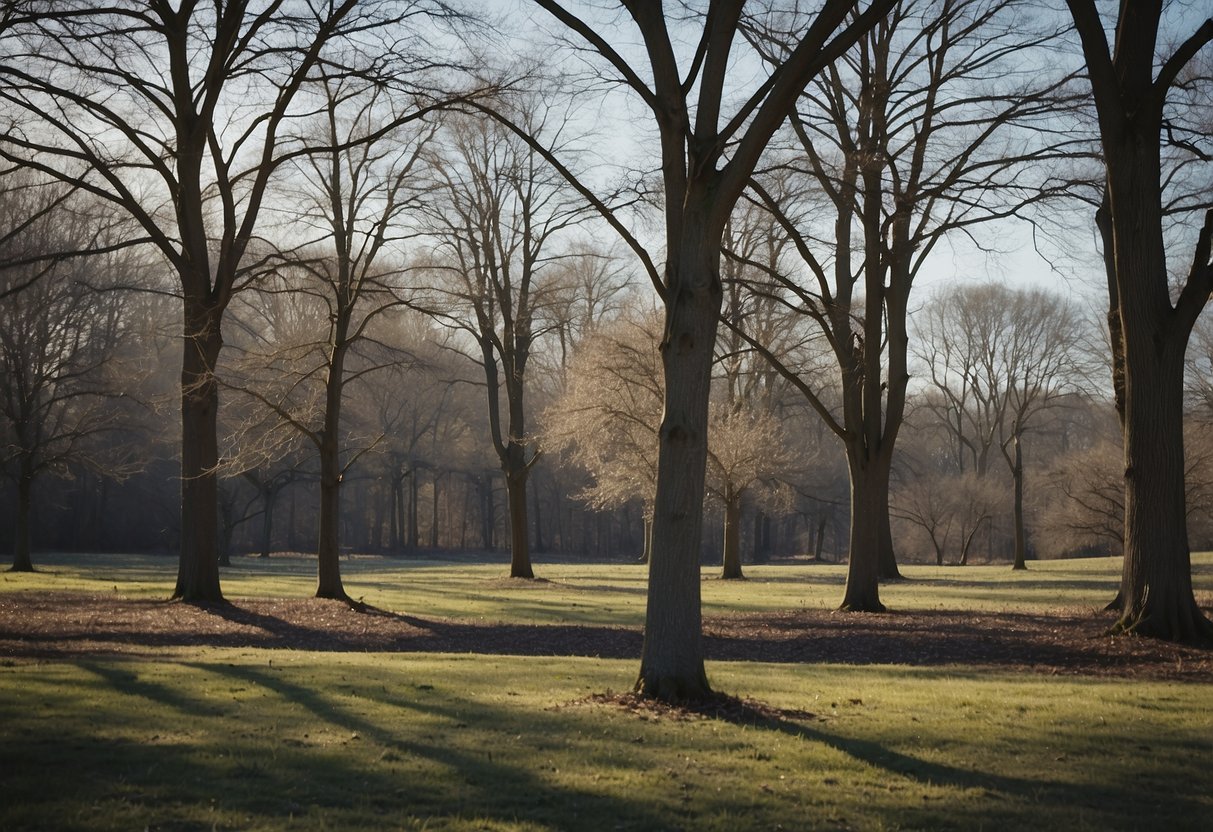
[869,498]
[1156,583]
[732,537]
[1017,516]
[22,562]
[198,568]
[671,665]
[516,496]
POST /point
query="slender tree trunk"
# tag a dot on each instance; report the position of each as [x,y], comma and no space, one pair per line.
[395,534]
[1017,517]
[413,531]
[434,512]
[198,568]
[539,544]
[820,542]
[732,537]
[516,496]
[22,561]
[268,497]
[671,665]
[869,496]
[647,552]
[328,550]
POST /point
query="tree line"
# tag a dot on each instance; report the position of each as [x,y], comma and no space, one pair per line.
[415,267]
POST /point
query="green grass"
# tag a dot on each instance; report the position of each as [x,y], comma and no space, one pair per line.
[600,593]
[265,740]
[276,739]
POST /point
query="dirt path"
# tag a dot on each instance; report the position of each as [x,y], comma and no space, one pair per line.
[64,625]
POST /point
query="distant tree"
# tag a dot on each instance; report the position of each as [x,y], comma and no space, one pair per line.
[180,115]
[59,339]
[499,216]
[999,359]
[609,417]
[1141,104]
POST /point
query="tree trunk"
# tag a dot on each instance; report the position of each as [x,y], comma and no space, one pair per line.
[671,665]
[869,497]
[732,537]
[888,570]
[1017,516]
[328,550]
[268,497]
[647,552]
[198,568]
[515,486]
[820,542]
[1156,582]
[413,533]
[21,534]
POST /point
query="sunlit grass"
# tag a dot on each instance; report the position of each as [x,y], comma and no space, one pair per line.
[601,593]
[209,738]
[254,739]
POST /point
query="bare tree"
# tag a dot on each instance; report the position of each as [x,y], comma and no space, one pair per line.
[707,156]
[918,135]
[499,216]
[179,114]
[59,338]
[1140,105]
[1000,359]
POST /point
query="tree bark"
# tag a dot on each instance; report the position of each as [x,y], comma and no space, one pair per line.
[671,665]
[198,568]
[328,550]
[1017,517]
[869,496]
[515,485]
[22,562]
[732,537]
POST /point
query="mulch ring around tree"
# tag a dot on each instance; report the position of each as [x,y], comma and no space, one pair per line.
[65,625]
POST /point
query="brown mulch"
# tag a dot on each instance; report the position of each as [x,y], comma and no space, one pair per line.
[64,625]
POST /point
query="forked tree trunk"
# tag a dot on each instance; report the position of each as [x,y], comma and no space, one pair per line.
[671,665]
[516,498]
[22,562]
[732,536]
[869,498]
[198,568]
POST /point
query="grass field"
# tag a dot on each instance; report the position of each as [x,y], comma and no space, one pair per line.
[213,738]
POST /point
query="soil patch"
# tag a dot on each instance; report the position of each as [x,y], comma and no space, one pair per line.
[63,625]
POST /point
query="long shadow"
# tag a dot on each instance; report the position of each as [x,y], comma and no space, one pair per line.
[504,791]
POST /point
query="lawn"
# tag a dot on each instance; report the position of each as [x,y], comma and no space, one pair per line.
[210,737]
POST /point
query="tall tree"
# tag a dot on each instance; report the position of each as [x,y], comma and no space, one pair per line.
[1134,82]
[179,114]
[499,215]
[707,156]
[917,135]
